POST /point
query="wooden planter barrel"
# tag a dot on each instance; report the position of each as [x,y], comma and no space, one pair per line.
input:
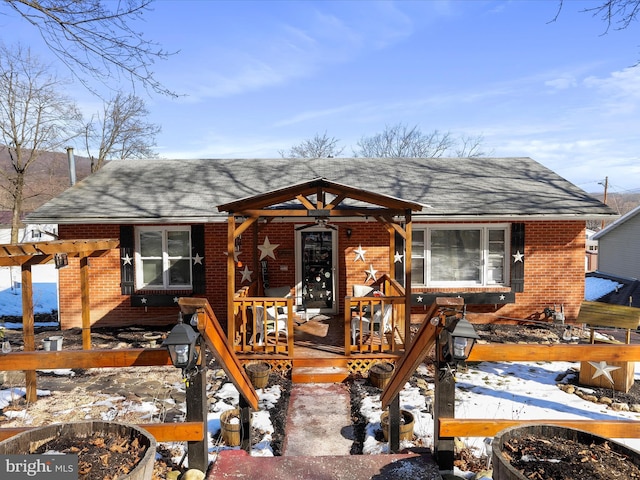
[230,427]
[504,470]
[380,374]
[258,373]
[406,425]
[30,441]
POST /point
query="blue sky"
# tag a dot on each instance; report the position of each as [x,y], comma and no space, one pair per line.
[259,77]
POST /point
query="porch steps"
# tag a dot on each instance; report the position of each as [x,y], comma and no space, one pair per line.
[319,370]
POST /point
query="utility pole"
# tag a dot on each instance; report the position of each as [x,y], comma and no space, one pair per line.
[606,186]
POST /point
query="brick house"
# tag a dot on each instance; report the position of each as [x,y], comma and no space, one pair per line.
[507,234]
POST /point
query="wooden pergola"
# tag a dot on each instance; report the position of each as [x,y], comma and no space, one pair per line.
[26,255]
[320,199]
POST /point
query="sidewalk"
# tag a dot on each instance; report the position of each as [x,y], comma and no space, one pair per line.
[319,435]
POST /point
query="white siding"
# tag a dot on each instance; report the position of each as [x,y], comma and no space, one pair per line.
[619,250]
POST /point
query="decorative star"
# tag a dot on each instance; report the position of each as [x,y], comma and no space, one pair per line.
[359,253]
[175,299]
[267,249]
[419,299]
[143,301]
[518,257]
[126,260]
[603,369]
[397,258]
[502,297]
[371,273]
[246,274]
[197,260]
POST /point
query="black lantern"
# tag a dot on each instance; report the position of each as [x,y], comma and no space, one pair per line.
[182,345]
[460,336]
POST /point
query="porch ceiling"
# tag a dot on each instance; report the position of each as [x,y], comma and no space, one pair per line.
[320,197]
[42,252]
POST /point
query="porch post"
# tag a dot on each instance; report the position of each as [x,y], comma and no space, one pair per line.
[28,329]
[197,408]
[231,278]
[443,407]
[407,278]
[85,301]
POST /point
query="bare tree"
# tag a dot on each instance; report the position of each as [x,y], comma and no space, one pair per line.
[320,146]
[619,14]
[120,132]
[35,118]
[402,141]
[470,147]
[95,38]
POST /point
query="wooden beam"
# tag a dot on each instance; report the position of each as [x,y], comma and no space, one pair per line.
[124,357]
[162,432]
[556,352]
[468,427]
[424,340]
[85,302]
[28,331]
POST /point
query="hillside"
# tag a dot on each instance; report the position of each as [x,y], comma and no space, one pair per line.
[46,178]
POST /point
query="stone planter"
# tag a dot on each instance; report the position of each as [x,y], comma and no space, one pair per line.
[502,458]
[406,425]
[36,440]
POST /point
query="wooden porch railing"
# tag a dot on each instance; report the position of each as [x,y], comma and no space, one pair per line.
[468,427]
[273,338]
[376,323]
[129,357]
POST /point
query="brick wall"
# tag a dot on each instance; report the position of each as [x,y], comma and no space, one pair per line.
[554,271]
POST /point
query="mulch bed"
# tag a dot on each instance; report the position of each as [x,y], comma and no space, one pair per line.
[100,457]
[563,459]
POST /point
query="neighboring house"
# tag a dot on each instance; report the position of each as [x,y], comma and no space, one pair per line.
[619,258]
[507,234]
[591,254]
[28,233]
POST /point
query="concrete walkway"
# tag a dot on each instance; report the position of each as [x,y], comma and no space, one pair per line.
[318,420]
[317,446]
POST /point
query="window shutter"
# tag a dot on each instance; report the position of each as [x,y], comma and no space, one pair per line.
[399,266]
[197,250]
[127,242]
[517,257]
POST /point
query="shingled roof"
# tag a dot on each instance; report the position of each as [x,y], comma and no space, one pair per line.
[189,191]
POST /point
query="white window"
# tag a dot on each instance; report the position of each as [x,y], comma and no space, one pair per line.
[460,255]
[163,258]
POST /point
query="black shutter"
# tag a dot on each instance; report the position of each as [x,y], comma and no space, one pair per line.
[197,251]
[517,257]
[399,266]
[127,242]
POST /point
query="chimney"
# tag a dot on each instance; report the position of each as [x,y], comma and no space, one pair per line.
[72,166]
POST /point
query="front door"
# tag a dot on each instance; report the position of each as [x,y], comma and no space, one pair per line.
[316,269]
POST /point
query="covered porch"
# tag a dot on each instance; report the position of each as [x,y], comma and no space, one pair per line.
[369,323]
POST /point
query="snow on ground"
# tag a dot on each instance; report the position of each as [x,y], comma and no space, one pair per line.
[595,288]
[45,291]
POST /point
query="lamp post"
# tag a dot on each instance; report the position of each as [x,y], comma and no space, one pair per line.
[183,344]
[460,336]
[453,346]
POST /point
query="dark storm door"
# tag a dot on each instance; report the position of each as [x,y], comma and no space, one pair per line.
[317,269]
